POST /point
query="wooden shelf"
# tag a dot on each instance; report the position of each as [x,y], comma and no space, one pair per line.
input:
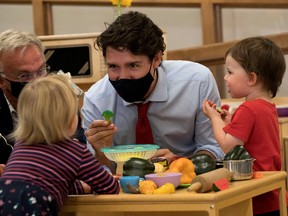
[210,11]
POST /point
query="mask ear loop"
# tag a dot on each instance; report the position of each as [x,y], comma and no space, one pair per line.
[2,137]
[155,71]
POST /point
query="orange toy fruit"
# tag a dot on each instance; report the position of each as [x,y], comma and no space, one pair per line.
[184,166]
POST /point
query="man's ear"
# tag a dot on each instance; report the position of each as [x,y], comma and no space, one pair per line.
[1,81]
[252,79]
[157,59]
[4,84]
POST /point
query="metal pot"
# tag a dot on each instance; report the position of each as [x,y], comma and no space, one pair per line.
[218,163]
[240,169]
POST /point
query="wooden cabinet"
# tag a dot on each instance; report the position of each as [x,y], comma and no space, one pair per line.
[285,151]
[237,200]
[283,126]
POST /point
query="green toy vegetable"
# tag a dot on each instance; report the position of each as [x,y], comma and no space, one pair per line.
[203,163]
[138,167]
[107,114]
[219,110]
[222,108]
[237,153]
[245,155]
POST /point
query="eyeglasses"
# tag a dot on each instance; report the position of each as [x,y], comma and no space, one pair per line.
[27,77]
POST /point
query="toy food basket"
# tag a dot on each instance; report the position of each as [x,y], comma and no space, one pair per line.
[122,153]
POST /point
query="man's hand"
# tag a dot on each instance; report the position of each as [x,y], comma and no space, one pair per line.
[164,153]
[206,152]
[99,135]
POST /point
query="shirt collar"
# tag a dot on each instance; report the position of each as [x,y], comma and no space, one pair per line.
[10,105]
[12,111]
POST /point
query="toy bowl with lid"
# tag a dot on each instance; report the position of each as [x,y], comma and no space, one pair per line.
[122,153]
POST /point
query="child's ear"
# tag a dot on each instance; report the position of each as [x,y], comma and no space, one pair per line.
[252,79]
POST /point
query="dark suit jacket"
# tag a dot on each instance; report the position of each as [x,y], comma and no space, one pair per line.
[6,127]
[6,123]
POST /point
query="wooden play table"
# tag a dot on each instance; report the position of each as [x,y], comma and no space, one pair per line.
[236,201]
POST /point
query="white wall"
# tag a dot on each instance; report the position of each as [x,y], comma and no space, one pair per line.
[18,17]
[183,25]
[241,23]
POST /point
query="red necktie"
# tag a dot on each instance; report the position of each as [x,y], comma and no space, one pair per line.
[143,129]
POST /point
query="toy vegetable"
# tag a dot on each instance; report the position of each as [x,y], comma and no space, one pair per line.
[225,107]
[107,114]
[184,166]
[159,168]
[203,163]
[167,188]
[222,108]
[221,184]
[147,187]
[237,153]
[162,161]
[137,167]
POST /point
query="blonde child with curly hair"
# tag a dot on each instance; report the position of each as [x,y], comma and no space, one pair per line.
[46,163]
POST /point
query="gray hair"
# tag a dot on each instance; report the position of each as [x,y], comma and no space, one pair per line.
[11,39]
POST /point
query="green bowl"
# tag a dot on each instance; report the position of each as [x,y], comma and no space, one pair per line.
[125,152]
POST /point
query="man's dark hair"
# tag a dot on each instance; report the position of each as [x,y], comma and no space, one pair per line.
[135,32]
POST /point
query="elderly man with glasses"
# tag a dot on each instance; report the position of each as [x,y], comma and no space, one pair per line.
[22,60]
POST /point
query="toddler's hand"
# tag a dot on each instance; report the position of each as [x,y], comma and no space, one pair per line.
[2,168]
[86,187]
[209,109]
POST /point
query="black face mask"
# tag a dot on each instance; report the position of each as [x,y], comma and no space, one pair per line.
[132,90]
[16,88]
